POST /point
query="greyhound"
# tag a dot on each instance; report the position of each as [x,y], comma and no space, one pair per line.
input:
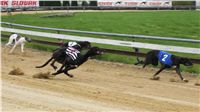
[71,58]
[15,40]
[167,60]
[77,45]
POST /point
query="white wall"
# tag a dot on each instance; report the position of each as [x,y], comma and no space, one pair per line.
[198,4]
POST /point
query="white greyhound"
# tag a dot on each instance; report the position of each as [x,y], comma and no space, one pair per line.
[16,40]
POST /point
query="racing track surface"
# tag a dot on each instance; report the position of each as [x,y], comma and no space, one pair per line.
[97,86]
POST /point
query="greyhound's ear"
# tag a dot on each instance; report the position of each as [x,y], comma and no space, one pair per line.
[28,39]
[186,62]
[185,59]
[182,59]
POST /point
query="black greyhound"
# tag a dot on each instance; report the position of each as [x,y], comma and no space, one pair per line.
[68,59]
[167,61]
[77,45]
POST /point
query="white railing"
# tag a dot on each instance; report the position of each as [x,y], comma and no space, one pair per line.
[106,41]
[104,34]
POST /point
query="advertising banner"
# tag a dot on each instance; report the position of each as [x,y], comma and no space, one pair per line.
[135,3]
[19,3]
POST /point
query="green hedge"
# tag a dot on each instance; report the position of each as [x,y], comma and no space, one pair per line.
[183,3]
[50,3]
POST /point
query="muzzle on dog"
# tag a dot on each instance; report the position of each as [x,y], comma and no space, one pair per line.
[28,39]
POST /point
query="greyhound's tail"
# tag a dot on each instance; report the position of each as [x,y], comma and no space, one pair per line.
[44,63]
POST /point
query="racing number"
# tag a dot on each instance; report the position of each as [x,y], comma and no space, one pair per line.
[164,57]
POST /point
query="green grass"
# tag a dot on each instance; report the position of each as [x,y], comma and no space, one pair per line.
[178,24]
[183,24]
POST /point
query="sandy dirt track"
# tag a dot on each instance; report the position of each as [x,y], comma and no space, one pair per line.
[98,86]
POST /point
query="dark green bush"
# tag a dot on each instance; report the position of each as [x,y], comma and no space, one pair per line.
[183,3]
[50,3]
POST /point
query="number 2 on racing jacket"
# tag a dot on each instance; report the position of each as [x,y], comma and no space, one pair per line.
[165,58]
[72,53]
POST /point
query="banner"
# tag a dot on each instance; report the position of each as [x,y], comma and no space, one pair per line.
[19,3]
[135,3]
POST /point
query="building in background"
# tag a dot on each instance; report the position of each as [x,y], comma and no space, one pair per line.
[198,4]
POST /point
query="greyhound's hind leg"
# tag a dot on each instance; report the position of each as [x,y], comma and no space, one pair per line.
[161,69]
[64,71]
[139,61]
[58,72]
[145,63]
[52,64]
[61,68]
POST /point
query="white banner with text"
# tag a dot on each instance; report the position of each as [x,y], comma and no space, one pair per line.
[135,3]
[19,3]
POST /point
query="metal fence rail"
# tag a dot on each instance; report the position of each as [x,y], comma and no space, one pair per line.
[104,33]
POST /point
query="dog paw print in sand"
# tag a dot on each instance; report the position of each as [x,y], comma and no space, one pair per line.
[178,80]
[197,83]
[173,80]
[155,78]
[41,75]
[16,71]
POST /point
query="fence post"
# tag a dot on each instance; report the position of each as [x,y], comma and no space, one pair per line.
[61,40]
[10,25]
[137,56]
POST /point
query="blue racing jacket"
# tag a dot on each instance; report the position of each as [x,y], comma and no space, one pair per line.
[165,58]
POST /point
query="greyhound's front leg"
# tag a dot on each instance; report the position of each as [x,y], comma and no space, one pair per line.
[179,73]
[22,47]
[69,67]
[66,73]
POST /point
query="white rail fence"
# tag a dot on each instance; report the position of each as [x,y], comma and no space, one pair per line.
[106,41]
[103,33]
